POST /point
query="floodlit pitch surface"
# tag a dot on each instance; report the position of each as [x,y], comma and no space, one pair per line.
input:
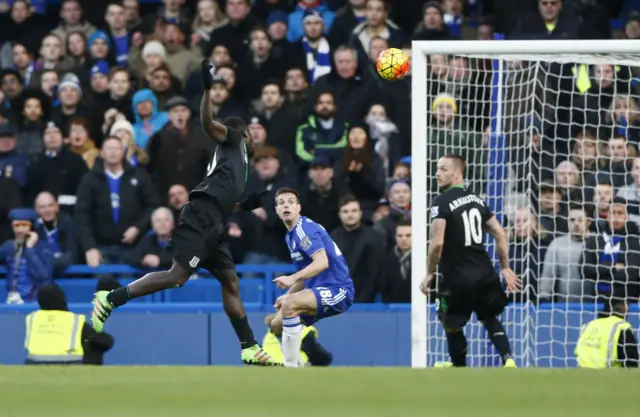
[348,392]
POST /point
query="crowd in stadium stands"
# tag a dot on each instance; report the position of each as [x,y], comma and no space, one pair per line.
[100,133]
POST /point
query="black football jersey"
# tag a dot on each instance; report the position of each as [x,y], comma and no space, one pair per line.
[226,173]
[464,259]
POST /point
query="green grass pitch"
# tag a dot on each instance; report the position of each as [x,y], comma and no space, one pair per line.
[349,392]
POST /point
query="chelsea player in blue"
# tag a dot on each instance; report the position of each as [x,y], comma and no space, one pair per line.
[321,288]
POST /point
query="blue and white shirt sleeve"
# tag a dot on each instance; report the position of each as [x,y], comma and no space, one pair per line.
[309,239]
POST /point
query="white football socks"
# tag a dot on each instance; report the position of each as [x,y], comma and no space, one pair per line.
[291,341]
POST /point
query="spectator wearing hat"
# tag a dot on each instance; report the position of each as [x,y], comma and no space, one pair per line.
[361,169]
[263,230]
[149,119]
[312,51]
[347,18]
[118,32]
[143,62]
[181,60]
[13,164]
[376,25]
[133,154]
[99,82]
[402,170]
[296,17]
[28,261]
[57,230]
[362,248]
[70,95]
[72,20]
[209,17]
[100,47]
[34,110]
[56,170]
[258,67]
[323,192]
[180,151]
[115,202]
[234,34]
[276,25]
[324,131]
[399,201]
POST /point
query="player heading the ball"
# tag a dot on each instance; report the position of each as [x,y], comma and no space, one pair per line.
[469,282]
[321,287]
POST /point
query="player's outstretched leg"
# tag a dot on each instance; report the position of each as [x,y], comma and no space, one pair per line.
[457,344]
[104,301]
[287,324]
[251,352]
[498,336]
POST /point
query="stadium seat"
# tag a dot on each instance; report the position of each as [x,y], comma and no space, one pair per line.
[209,291]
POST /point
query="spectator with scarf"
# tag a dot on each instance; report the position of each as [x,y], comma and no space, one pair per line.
[57,230]
[612,256]
[28,260]
[296,17]
[399,196]
[312,51]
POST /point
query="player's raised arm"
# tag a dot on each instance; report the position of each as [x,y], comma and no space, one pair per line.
[494,228]
[216,130]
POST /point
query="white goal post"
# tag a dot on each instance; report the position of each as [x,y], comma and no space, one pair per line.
[500,53]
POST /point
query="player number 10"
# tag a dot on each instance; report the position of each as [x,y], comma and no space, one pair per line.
[472,226]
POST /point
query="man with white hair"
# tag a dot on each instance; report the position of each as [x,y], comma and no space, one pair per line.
[152,251]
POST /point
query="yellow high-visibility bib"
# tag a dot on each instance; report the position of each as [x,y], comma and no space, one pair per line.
[597,346]
[54,336]
[271,345]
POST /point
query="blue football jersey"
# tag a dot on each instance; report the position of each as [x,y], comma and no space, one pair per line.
[307,238]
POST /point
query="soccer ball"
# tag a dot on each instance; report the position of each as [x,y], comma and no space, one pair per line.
[392,64]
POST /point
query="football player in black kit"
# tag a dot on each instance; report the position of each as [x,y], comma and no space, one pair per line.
[200,238]
[469,281]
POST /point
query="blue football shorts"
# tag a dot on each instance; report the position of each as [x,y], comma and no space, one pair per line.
[331,300]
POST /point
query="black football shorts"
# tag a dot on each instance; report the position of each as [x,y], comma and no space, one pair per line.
[455,306]
[200,240]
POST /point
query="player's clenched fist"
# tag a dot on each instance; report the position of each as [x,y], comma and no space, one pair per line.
[514,284]
[426,283]
[207,72]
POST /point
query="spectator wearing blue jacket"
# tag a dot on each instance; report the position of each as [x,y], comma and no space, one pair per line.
[149,119]
[28,260]
[296,30]
[12,163]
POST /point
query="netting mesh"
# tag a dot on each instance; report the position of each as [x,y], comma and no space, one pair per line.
[551,143]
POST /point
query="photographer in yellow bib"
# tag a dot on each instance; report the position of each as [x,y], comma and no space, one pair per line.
[311,352]
[608,341]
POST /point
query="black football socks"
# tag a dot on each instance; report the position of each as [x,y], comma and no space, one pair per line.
[457,344]
[119,296]
[244,332]
[499,338]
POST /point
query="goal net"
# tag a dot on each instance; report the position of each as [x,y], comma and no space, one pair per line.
[550,132]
